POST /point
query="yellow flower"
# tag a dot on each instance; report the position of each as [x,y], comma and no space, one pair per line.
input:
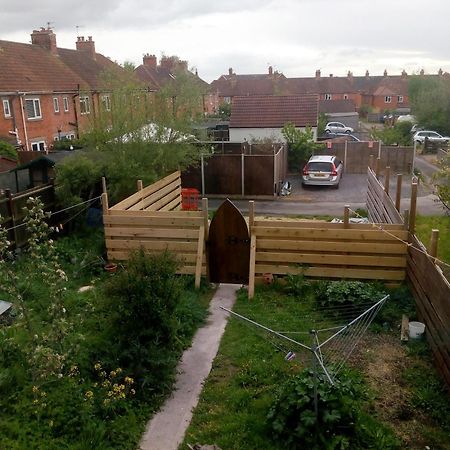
[98,366]
[112,374]
[88,395]
[118,370]
[129,380]
[35,389]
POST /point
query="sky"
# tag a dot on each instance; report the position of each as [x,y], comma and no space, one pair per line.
[295,37]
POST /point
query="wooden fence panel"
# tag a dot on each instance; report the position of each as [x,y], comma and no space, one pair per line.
[432,293]
[259,175]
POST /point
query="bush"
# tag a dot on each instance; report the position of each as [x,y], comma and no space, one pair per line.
[297,284]
[143,299]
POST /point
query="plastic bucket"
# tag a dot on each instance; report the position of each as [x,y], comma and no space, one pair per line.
[416,329]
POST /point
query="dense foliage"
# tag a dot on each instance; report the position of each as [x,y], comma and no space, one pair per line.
[8,150]
[84,370]
[441,179]
[301,145]
[399,134]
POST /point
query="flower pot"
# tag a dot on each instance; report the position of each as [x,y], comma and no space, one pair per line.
[111,267]
[267,278]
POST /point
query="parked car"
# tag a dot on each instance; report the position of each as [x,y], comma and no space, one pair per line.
[323,170]
[339,137]
[337,127]
[432,136]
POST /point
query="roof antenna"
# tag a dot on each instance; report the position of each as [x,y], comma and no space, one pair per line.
[78,29]
[49,27]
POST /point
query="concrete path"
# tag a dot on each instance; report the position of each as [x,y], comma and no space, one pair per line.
[166,429]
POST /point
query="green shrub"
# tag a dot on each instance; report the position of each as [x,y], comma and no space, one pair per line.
[297,284]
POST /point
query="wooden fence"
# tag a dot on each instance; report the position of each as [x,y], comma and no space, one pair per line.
[12,210]
[380,207]
[327,250]
[151,219]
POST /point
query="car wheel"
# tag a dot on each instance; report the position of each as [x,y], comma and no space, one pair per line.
[348,131]
[419,142]
[327,131]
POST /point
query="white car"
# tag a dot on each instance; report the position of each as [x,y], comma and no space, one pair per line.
[323,170]
[337,127]
[432,136]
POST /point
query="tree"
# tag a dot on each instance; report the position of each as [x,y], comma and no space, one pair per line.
[7,150]
[301,145]
[430,101]
[399,134]
[442,182]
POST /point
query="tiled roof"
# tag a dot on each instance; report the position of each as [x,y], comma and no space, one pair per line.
[274,111]
[28,67]
[336,106]
[234,85]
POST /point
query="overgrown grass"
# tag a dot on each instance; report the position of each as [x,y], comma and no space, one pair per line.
[251,366]
[76,410]
[424,225]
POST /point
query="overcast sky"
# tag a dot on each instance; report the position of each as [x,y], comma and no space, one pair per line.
[296,37]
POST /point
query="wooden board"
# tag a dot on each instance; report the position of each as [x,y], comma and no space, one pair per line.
[228,246]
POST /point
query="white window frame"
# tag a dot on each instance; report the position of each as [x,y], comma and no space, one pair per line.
[40,146]
[66,104]
[35,102]
[400,99]
[227,100]
[84,100]
[328,97]
[56,104]
[6,108]
[106,102]
[388,99]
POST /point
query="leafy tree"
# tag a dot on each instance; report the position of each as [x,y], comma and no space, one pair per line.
[323,120]
[301,145]
[399,134]
[225,110]
[7,150]
[430,101]
[442,182]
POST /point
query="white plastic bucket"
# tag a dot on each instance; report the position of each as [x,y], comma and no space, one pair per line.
[416,329]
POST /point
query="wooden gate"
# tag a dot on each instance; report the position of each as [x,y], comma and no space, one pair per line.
[228,246]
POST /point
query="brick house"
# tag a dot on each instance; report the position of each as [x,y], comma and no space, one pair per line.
[155,76]
[49,93]
[263,116]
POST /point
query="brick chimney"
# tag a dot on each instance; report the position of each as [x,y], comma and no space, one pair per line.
[331,75]
[318,73]
[270,70]
[166,63]
[182,66]
[87,46]
[385,73]
[367,74]
[149,61]
[422,72]
[46,39]
[350,75]
[230,71]
[440,72]
[404,74]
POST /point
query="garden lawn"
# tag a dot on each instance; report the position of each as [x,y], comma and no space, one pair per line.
[249,369]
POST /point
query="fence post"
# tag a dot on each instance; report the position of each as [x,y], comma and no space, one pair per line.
[377,167]
[12,221]
[346,216]
[406,219]
[139,185]
[105,206]
[203,174]
[387,177]
[242,173]
[398,194]
[104,185]
[434,242]
[371,161]
[413,208]
[251,215]
[205,216]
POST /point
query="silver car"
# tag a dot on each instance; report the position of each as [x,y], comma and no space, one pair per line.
[432,136]
[323,170]
[337,127]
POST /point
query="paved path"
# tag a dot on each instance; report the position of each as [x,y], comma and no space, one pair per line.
[166,429]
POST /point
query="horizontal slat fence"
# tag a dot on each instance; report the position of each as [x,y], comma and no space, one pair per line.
[432,293]
[380,207]
[151,220]
[327,250]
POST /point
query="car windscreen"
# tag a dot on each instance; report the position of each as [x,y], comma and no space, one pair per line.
[320,166]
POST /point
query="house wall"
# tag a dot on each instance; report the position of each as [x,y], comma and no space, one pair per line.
[379,103]
[248,134]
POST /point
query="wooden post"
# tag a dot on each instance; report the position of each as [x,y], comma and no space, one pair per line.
[406,219]
[413,208]
[242,173]
[251,277]
[377,167]
[346,216]
[387,177]
[371,161]
[434,242]
[251,215]
[203,174]
[205,216]
[199,258]
[105,206]
[139,185]
[104,185]
[398,193]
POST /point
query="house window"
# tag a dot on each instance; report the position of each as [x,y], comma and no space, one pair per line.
[328,97]
[345,96]
[227,100]
[56,104]
[106,102]
[38,146]
[84,105]
[387,99]
[400,99]
[66,104]
[6,108]
[33,108]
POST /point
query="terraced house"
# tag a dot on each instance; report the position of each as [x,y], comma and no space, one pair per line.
[49,93]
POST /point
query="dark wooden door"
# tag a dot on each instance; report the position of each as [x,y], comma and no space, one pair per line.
[228,246]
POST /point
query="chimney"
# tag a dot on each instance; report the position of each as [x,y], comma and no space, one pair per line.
[404,74]
[46,39]
[440,72]
[166,63]
[367,74]
[270,70]
[422,72]
[149,61]
[331,75]
[87,46]
[182,66]
[318,73]
[230,71]
[385,73]
[350,75]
